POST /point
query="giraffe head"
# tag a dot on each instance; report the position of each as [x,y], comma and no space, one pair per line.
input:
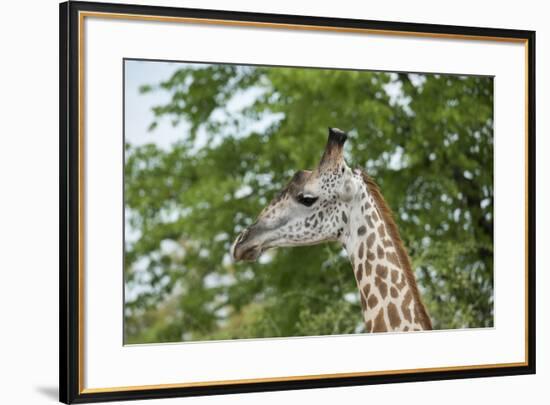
[311,209]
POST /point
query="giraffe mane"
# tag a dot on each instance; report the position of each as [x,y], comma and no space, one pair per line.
[402,254]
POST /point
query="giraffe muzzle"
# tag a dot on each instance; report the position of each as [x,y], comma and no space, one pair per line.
[245,248]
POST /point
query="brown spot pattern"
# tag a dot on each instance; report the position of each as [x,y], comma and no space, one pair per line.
[361,230]
[372,301]
[380,252]
[368,268]
[382,271]
[369,326]
[393,292]
[405,306]
[379,323]
[392,258]
[361,250]
[359,273]
[393,316]
[366,290]
[369,222]
[382,287]
[370,240]
[363,303]
[417,315]
[402,283]
[382,231]
[399,258]
[387,243]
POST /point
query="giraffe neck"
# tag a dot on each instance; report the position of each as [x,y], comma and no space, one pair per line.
[387,288]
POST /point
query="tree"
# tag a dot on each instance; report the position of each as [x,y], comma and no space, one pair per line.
[426,139]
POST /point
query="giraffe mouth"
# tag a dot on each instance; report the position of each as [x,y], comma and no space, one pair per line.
[247,253]
[251,254]
[244,250]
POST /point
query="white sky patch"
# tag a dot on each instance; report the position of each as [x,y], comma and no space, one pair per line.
[416,79]
[214,280]
[131,234]
[394,90]
[141,283]
[351,297]
[485,203]
[243,192]
[396,161]
[172,248]
[139,114]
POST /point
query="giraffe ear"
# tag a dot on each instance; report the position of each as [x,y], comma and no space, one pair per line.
[347,192]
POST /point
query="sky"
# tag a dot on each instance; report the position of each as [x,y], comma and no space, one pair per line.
[137,106]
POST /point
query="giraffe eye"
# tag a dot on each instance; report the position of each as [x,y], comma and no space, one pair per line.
[307,200]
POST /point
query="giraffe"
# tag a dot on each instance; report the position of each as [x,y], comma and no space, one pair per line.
[335,203]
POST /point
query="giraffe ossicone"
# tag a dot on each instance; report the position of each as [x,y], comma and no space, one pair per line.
[336,203]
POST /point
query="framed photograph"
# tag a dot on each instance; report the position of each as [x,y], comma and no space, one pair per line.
[254,202]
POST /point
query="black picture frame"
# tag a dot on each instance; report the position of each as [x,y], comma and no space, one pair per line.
[70,180]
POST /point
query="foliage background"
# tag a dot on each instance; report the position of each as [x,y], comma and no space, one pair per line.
[239,133]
